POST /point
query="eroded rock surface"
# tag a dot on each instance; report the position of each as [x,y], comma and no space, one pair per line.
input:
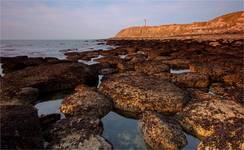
[161,132]
[70,133]
[203,118]
[228,136]
[86,101]
[135,93]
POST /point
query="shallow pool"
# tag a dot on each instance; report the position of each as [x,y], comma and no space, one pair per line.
[123,133]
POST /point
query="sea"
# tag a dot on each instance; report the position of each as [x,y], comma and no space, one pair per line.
[49,48]
[122,132]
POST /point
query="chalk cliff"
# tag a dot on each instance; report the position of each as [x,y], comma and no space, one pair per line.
[229,24]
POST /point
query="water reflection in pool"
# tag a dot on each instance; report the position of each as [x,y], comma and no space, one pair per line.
[124,133]
[51,103]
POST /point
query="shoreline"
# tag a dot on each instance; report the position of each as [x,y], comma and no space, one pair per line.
[162,83]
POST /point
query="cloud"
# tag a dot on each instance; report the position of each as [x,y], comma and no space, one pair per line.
[73,19]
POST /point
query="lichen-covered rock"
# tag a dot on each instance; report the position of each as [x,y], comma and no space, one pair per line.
[193,80]
[161,132]
[228,136]
[151,67]
[95,143]
[203,118]
[135,93]
[20,128]
[86,101]
[70,133]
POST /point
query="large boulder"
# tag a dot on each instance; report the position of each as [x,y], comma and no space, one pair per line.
[161,132]
[20,128]
[47,78]
[86,101]
[71,133]
[135,93]
[204,118]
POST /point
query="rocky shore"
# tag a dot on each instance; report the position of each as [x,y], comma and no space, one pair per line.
[171,86]
[181,79]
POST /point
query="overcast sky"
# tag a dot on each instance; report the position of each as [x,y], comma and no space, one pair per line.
[94,19]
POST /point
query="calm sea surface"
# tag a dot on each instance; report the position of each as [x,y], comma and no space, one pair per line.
[47,48]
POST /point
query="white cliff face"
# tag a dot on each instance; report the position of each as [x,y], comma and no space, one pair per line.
[227,24]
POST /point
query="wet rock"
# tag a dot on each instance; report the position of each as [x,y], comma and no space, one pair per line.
[70,133]
[136,58]
[134,93]
[203,118]
[151,67]
[161,132]
[178,63]
[11,64]
[114,52]
[49,119]
[106,71]
[68,50]
[20,128]
[86,101]
[28,93]
[87,55]
[47,78]
[194,80]
[110,60]
[95,143]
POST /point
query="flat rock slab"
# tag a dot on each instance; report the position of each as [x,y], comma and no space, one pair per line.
[86,101]
[135,93]
[204,118]
[161,132]
[47,78]
[20,128]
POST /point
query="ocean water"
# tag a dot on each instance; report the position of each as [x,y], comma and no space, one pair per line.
[48,48]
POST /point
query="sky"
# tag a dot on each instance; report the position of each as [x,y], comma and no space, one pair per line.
[97,19]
